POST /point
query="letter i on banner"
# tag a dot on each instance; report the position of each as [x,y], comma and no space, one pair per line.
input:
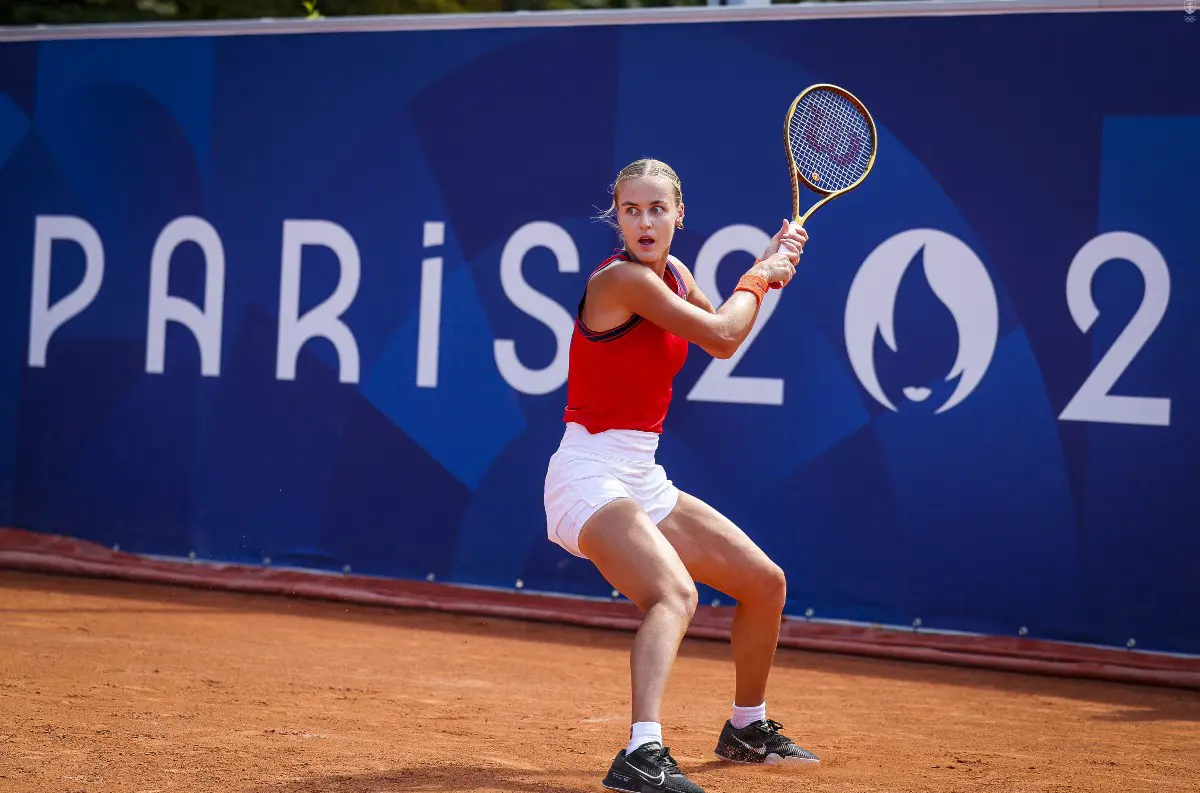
[430,312]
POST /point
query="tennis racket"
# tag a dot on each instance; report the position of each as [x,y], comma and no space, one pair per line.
[830,140]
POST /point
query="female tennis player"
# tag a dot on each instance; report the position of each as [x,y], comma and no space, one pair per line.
[609,502]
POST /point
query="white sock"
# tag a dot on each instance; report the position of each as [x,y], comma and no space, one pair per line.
[743,717]
[643,732]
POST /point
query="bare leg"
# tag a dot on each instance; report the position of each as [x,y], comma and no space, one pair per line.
[631,553]
[716,552]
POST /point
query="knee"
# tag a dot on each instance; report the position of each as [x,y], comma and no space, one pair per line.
[767,587]
[681,598]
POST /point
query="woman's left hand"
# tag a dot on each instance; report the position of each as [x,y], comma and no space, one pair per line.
[790,238]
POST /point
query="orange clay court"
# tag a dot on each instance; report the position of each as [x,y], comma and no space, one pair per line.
[123,686]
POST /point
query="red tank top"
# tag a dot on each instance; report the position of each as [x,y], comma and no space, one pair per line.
[621,378]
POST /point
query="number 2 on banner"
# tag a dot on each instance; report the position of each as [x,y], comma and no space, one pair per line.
[717,383]
[1094,400]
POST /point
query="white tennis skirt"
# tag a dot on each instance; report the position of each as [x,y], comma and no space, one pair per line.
[588,471]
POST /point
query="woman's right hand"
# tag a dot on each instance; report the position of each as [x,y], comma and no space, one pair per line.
[778,268]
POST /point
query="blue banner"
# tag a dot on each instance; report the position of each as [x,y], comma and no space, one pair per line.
[308,298]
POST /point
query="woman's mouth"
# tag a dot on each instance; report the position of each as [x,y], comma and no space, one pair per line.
[646,242]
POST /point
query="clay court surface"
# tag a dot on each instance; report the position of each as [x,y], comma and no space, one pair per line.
[110,686]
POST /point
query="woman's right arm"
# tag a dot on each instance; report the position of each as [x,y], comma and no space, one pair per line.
[640,291]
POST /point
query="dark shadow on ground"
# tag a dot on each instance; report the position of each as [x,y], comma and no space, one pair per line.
[464,778]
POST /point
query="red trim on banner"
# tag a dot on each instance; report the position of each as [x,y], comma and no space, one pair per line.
[22,550]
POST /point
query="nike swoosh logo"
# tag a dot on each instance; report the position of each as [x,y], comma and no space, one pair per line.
[756,749]
[654,780]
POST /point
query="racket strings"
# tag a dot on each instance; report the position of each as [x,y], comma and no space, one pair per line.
[830,140]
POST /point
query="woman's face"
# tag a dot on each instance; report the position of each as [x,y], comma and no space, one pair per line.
[647,214]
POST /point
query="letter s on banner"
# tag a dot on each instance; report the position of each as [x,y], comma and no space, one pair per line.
[532,235]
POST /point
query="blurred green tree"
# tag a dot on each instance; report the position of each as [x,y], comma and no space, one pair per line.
[57,12]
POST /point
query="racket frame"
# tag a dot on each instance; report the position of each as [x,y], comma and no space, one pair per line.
[794,172]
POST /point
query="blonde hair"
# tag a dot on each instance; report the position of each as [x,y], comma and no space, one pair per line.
[637,169]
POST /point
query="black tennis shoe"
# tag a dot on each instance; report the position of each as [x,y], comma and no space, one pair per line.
[760,743]
[650,769]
